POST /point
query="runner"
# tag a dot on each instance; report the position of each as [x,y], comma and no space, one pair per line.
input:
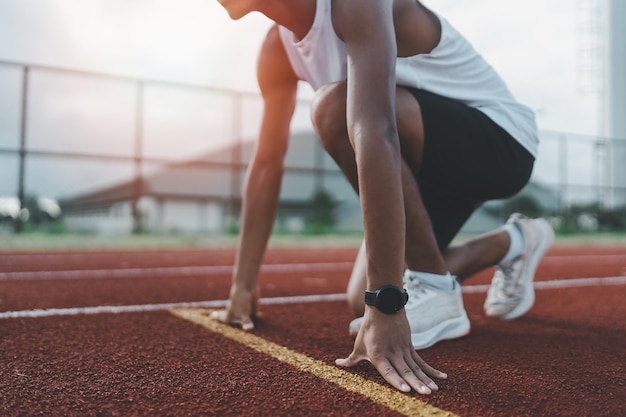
[425,130]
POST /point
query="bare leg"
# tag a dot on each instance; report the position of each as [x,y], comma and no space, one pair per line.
[474,255]
[462,260]
[330,122]
[357,283]
[329,117]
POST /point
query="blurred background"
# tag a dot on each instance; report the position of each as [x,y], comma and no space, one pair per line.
[139,116]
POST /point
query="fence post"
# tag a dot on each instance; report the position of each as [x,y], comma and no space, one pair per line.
[22,152]
[598,171]
[319,166]
[235,174]
[138,162]
[562,172]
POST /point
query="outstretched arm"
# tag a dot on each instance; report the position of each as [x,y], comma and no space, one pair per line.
[367,27]
[263,180]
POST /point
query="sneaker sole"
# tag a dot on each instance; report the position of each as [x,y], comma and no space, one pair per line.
[529,290]
[449,329]
[355,326]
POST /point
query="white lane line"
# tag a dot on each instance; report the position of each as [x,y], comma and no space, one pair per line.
[559,283]
[178,271]
[140,308]
[584,259]
[467,289]
[186,271]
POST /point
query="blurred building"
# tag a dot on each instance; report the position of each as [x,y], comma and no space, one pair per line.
[204,195]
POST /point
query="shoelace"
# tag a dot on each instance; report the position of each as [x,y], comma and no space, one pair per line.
[504,282]
[416,288]
[411,282]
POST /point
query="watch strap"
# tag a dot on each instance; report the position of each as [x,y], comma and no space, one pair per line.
[372,299]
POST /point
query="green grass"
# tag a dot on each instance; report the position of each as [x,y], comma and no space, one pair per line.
[46,241]
[59,241]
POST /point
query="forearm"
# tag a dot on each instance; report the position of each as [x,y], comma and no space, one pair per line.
[371,122]
[259,210]
[380,190]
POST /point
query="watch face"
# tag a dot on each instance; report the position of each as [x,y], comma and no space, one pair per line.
[390,300]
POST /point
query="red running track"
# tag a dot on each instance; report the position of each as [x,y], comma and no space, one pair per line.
[566,357]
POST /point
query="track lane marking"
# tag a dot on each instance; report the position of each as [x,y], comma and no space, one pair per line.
[179,271]
[558,283]
[140,308]
[388,397]
[185,271]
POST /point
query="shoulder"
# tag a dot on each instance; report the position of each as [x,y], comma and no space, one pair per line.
[273,67]
[359,17]
[272,43]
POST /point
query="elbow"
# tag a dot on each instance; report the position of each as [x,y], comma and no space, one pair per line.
[268,167]
[381,138]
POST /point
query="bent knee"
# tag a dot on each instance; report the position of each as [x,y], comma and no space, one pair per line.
[328,109]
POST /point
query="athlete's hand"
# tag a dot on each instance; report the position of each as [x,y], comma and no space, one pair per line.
[241,308]
[385,341]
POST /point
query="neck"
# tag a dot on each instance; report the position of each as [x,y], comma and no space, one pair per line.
[295,15]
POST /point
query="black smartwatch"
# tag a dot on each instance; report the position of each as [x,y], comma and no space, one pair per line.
[388,299]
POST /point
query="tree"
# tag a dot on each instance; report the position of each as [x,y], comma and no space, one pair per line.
[322,214]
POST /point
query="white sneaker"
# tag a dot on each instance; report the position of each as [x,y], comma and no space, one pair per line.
[355,326]
[512,292]
[434,314]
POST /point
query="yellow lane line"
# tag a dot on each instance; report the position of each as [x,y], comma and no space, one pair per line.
[388,397]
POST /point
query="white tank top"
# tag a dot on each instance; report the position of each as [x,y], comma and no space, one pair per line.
[452,69]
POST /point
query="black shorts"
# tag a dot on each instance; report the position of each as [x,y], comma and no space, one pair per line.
[467,159]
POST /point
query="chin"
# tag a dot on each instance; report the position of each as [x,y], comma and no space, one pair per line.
[236,9]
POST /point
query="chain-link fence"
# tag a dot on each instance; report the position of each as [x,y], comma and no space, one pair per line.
[582,169]
[144,152]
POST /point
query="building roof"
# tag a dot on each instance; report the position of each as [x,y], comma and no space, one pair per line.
[219,175]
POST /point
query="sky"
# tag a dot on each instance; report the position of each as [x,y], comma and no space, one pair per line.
[536,45]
